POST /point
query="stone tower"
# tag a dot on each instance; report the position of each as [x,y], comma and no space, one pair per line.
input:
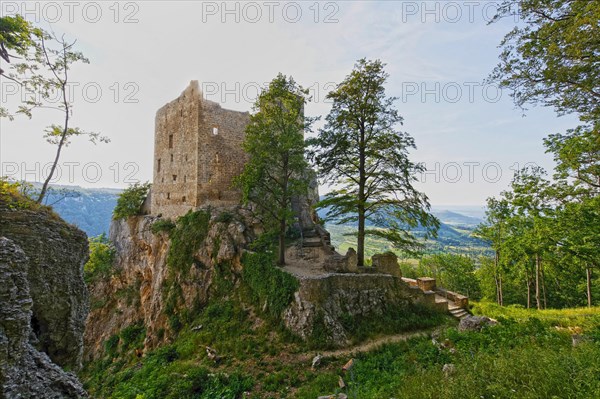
[197,153]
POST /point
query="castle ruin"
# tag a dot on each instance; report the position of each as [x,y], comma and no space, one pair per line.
[197,153]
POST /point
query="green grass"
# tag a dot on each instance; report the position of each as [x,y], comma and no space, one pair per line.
[524,356]
[584,319]
[516,359]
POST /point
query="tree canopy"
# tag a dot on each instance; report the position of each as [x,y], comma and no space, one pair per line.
[364,156]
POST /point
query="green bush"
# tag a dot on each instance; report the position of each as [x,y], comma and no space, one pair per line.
[189,233]
[163,225]
[112,344]
[100,264]
[130,201]
[225,217]
[132,336]
[270,288]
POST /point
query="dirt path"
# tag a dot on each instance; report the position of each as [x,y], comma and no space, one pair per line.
[370,345]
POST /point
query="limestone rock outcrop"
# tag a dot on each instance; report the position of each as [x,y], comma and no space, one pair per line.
[138,291]
[56,253]
[475,323]
[25,372]
[330,298]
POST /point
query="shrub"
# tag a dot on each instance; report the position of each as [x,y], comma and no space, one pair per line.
[163,225]
[111,344]
[270,288]
[132,335]
[186,238]
[225,217]
[100,263]
[130,201]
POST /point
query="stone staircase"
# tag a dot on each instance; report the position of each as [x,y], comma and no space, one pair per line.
[457,311]
[311,239]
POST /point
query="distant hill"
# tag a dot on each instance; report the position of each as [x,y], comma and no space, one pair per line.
[455,218]
[90,209]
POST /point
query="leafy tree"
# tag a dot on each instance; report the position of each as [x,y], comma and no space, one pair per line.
[44,74]
[494,231]
[552,59]
[15,35]
[130,201]
[361,153]
[276,171]
[100,263]
[453,272]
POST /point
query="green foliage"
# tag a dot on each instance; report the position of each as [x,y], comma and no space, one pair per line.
[392,320]
[588,319]
[513,359]
[130,201]
[361,152]
[163,225]
[112,344]
[551,59]
[15,194]
[225,217]
[160,376]
[452,272]
[189,233]
[132,336]
[100,264]
[270,288]
[277,170]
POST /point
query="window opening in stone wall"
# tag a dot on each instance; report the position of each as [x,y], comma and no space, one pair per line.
[215,131]
[184,178]
[158,166]
[168,195]
[174,177]
[183,198]
[170,141]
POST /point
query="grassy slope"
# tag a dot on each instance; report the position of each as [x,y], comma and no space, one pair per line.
[526,356]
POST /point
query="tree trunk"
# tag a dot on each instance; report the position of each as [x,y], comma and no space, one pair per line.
[543,278]
[588,273]
[67,111]
[501,293]
[282,228]
[498,279]
[528,281]
[538,301]
[497,288]
[360,251]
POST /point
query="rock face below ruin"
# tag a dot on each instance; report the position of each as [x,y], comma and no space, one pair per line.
[138,291]
[56,253]
[331,297]
[25,372]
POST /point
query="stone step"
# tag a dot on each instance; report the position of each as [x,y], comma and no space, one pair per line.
[459,313]
[312,243]
[309,234]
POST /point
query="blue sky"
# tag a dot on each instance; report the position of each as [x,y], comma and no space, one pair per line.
[143,54]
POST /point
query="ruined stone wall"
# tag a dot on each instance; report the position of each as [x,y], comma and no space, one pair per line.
[175,154]
[197,153]
[220,153]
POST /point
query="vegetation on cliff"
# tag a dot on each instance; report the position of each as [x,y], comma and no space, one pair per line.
[130,201]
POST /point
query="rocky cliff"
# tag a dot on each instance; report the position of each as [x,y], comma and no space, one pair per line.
[25,372]
[144,290]
[57,252]
[334,299]
[43,301]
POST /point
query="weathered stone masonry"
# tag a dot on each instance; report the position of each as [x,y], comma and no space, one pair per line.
[197,153]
